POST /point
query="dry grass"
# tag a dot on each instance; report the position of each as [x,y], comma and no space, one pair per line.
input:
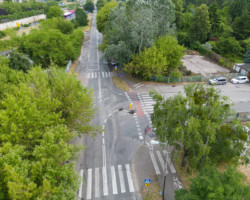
[123,85]
[245,170]
[153,191]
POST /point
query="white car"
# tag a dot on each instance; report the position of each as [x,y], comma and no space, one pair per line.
[239,79]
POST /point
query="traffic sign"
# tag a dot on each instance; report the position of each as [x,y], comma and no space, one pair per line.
[115,67]
[121,74]
[147,184]
[147,181]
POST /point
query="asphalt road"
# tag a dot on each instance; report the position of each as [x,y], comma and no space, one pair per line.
[105,163]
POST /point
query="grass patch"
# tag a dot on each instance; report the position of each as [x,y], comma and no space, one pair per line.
[123,85]
[153,191]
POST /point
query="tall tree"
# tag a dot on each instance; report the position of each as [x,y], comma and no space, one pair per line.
[200,26]
[211,184]
[214,17]
[178,12]
[247,56]
[241,26]
[81,17]
[191,123]
[103,13]
[237,7]
[89,6]
[100,4]
[54,11]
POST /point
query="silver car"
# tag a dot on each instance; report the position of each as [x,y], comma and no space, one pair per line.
[218,81]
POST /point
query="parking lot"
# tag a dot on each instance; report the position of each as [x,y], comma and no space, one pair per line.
[200,65]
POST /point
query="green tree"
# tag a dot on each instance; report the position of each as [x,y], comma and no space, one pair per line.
[81,17]
[19,61]
[211,184]
[228,46]
[241,26]
[214,17]
[191,123]
[46,46]
[237,7]
[247,56]
[89,6]
[178,12]
[48,5]
[161,59]
[54,11]
[103,13]
[200,26]
[100,4]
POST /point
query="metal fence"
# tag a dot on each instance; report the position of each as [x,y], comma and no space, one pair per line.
[68,66]
[197,78]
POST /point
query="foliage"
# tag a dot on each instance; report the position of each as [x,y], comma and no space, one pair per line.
[247,56]
[161,59]
[89,6]
[178,12]
[18,61]
[192,124]
[200,26]
[211,184]
[228,46]
[81,17]
[2,34]
[241,26]
[35,134]
[102,15]
[214,17]
[100,4]
[130,27]
[46,46]
[48,5]
[54,11]
[64,26]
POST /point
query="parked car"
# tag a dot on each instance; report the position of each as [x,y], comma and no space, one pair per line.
[218,81]
[239,79]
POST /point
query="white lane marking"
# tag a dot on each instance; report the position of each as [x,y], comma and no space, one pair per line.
[103,74]
[122,184]
[100,89]
[104,155]
[88,75]
[109,74]
[154,162]
[103,141]
[97,183]
[81,178]
[98,64]
[114,184]
[109,114]
[140,137]
[106,74]
[89,184]
[139,86]
[164,169]
[169,161]
[99,74]
[95,74]
[91,74]
[105,121]
[130,180]
[105,181]
[136,84]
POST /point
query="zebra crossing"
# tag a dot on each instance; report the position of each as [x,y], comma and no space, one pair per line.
[162,163]
[97,180]
[147,103]
[92,75]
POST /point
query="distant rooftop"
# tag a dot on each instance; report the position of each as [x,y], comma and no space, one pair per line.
[245,66]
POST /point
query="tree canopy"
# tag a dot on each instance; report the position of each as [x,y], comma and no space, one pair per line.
[194,125]
[18,61]
[210,184]
[89,6]
[161,59]
[81,17]
[40,114]
[54,11]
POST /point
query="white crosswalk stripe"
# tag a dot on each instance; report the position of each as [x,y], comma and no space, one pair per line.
[93,75]
[98,179]
[154,162]
[147,103]
[122,184]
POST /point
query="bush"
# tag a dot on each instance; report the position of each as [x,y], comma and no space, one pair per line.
[89,6]
[2,34]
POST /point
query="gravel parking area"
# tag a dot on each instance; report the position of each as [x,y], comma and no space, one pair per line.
[200,65]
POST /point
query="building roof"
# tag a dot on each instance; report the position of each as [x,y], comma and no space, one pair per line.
[246,66]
